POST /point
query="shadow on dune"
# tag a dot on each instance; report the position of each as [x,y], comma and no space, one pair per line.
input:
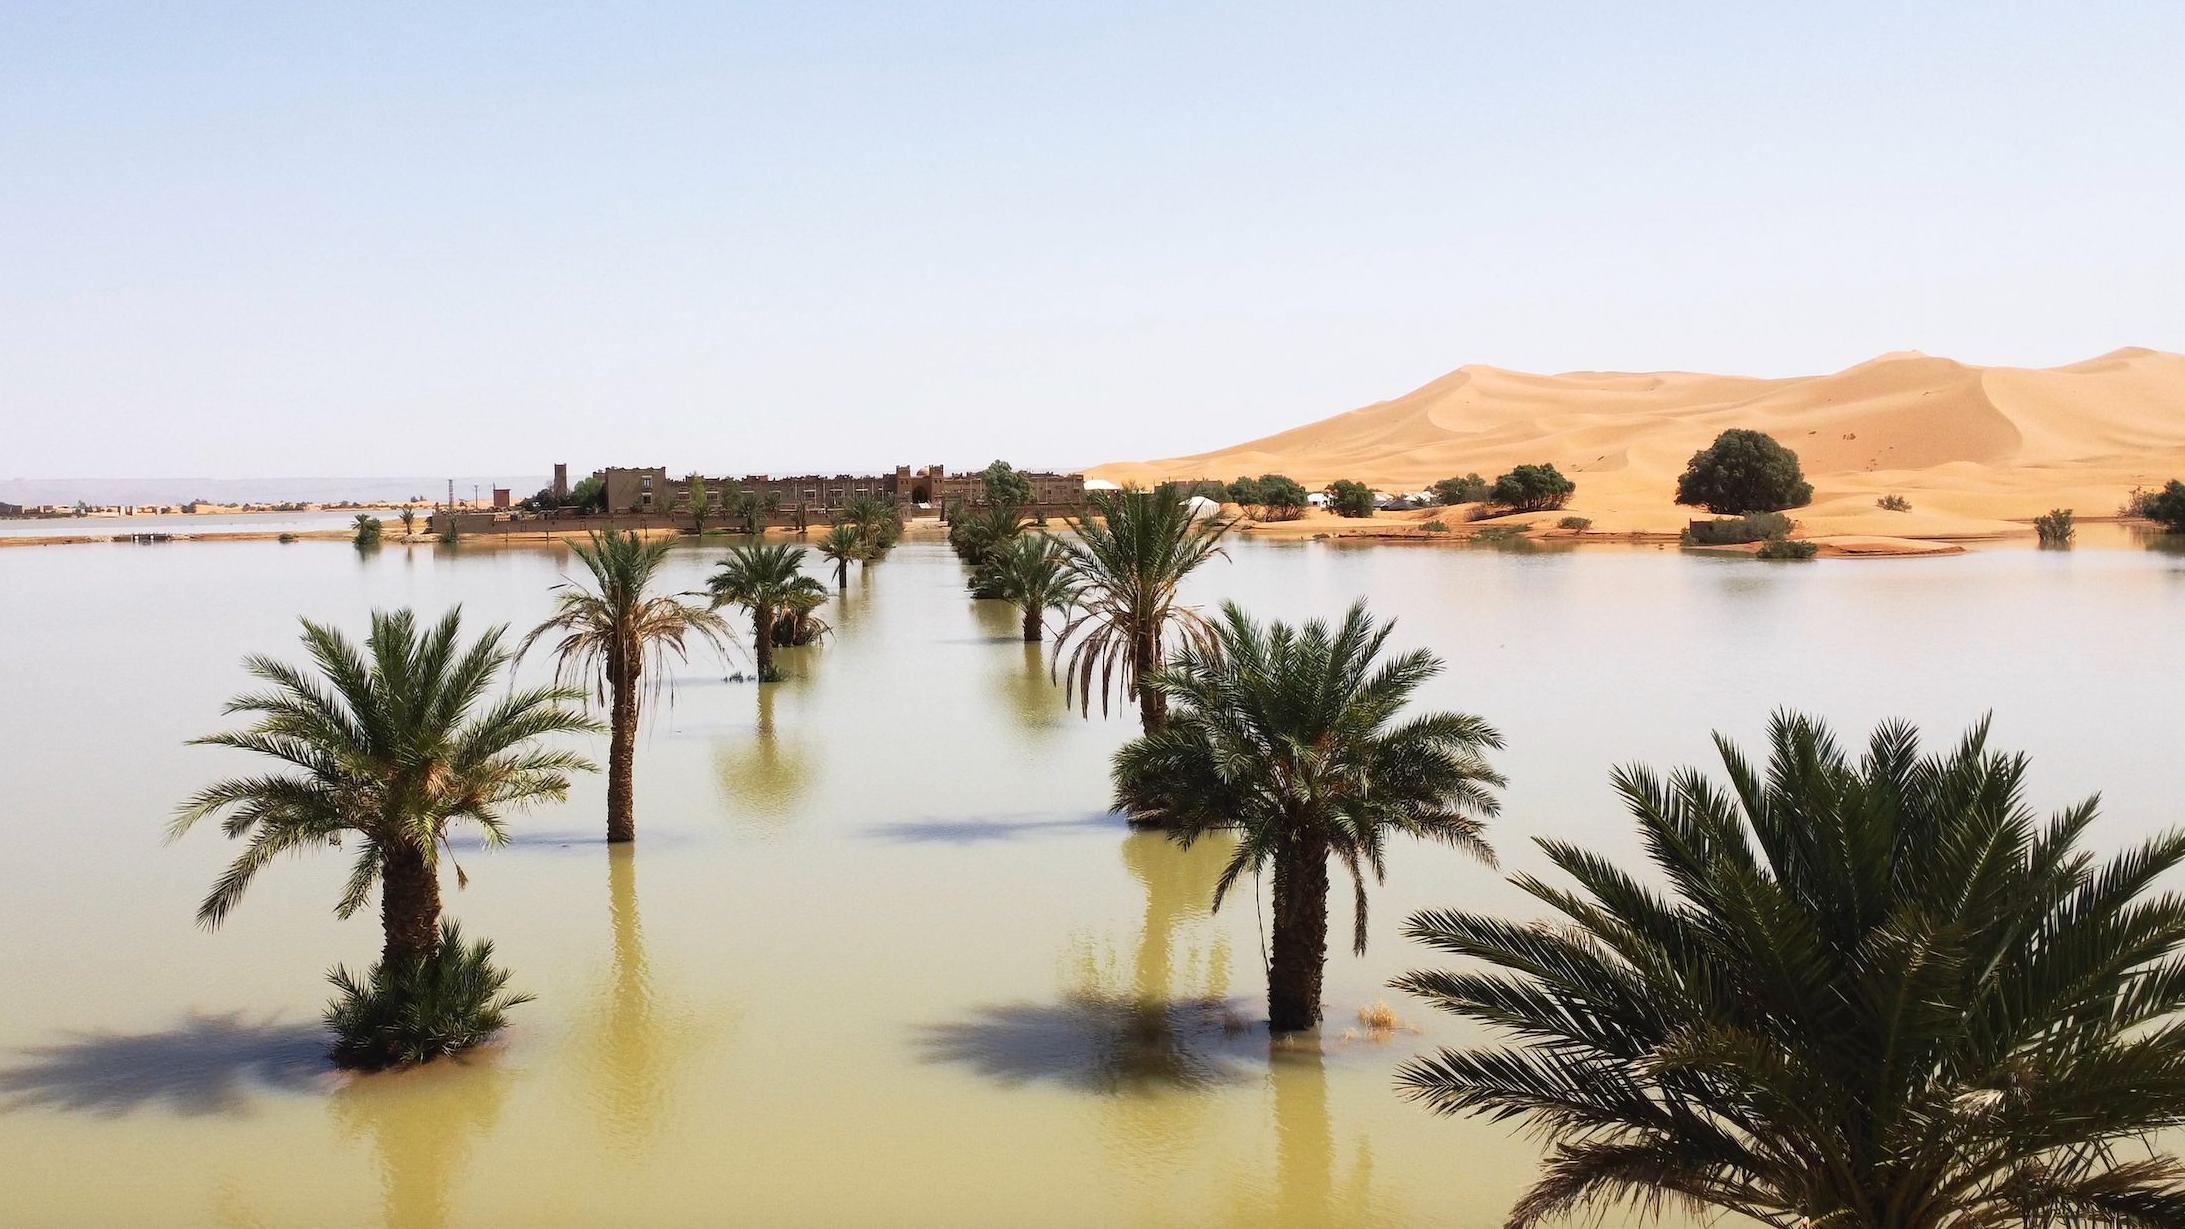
[205,1065]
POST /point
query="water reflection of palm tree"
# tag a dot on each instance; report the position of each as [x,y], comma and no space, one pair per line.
[422,1125]
[766,775]
[1034,698]
[629,1046]
[1305,1190]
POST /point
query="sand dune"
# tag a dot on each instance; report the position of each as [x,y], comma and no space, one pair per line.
[1974,448]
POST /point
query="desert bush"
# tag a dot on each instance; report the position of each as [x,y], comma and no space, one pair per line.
[1437,525]
[1579,523]
[1893,503]
[288,537]
[1497,534]
[1532,488]
[1352,499]
[420,1010]
[1730,531]
[1784,548]
[2166,506]
[1743,471]
[1269,497]
[2055,527]
[368,529]
[1470,489]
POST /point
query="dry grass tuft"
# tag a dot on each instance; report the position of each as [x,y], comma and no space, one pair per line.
[1381,1018]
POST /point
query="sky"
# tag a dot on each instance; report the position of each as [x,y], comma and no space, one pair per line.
[241,241]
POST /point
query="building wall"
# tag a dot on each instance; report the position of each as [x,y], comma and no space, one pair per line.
[652,491]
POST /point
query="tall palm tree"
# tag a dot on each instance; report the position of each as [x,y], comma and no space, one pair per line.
[843,546]
[1874,993]
[1290,737]
[409,521]
[977,534]
[387,749]
[765,579]
[1130,556]
[614,632]
[1033,574]
[879,521]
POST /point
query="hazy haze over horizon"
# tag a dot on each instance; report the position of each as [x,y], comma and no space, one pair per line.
[277,242]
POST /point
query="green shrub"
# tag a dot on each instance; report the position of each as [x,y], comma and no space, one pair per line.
[1470,489]
[1498,534]
[1579,523]
[1784,548]
[368,529]
[1347,498]
[1437,525]
[2166,506]
[1743,471]
[2055,527]
[1893,503]
[288,537]
[1532,488]
[1270,497]
[1731,531]
[414,1013]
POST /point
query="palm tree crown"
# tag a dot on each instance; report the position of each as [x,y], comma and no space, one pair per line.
[1291,737]
[1032,573]
[614,633]
[765,579]
[387,749]
[1130,556]
[843,546]
[1876,994]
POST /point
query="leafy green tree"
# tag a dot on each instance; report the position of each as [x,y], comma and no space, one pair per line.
[589,494]
[1743,471]
[1280,497]
[1470,489]
[1129,556]
[613,633]
[385,751]
[1874,992]
[1294,739]
[1033,574]
[1004,485]
[701,501]
[1245,492]
[1532,488]
[367,529]
[843,546]
[2166,506]
[1351,499]
[765,579]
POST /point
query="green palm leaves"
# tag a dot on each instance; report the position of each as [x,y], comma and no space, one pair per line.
[1131,556]
[1033,573]
[1293,738]
[768,580]
[614,632]
[385,749]
[1874,992]
[843,546]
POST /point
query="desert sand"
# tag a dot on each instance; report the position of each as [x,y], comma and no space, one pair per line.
[1979,451]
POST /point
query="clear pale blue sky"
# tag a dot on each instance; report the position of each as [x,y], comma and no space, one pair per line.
[346,239]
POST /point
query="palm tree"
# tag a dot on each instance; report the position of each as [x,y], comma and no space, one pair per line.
[1130,557]
[1290,737]
[409,521]
[1874,993]
[367,530]
[388,749]
[765,579]
[879,521]
[612,632]
[1034,574]
[843,546]
[977,534]
[701,501]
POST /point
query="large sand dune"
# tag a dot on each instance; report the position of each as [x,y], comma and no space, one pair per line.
[1972,447]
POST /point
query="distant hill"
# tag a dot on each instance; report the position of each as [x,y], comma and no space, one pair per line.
[1965,443]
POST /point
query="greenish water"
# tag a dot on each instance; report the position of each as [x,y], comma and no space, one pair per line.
[880,955]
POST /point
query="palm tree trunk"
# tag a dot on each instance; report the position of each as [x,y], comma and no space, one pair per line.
[1300,938]
[409,905]
[1152,705]
[1034,625]
[622,760]
[762,634]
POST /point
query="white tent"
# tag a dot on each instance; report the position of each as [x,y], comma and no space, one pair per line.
[1202,508]
[1102,484]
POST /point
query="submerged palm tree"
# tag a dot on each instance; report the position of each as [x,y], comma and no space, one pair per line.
[1033,574]
[388,749]
[843,546]
[878,521]
[765,579]
[1129,557]
[409,521]
[977,534]
[1875,993]
[614,632]
[1291,737]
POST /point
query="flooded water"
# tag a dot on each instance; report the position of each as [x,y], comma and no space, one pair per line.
[880,954]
